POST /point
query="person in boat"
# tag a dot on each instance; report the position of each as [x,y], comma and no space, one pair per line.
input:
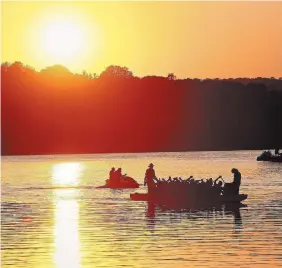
[233,187]
[117,176]
[150,175]
[237,180]
[209,182]
[111,175]
[218,186]
[189,179]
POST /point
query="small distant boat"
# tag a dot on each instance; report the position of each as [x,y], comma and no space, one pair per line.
[276,158]
[268,156]
[124,183]
[221,199]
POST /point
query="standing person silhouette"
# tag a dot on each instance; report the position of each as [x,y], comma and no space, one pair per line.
[237,180]
[149,178]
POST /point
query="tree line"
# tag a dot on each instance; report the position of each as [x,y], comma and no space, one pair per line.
[54,111]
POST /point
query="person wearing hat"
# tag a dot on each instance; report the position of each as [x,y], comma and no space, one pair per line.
[237,180]
[149,178]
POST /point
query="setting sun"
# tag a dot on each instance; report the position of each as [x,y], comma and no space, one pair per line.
[139,133]
[63,40]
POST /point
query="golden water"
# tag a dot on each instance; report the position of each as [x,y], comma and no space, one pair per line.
[52,215]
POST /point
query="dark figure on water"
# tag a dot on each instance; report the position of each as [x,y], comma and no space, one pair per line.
[149,178]
[236,180]
[118,175]
[111,175]
[233,188]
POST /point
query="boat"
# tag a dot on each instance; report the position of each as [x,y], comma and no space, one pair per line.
[221,199]
[265,156]
[124,183]
[276,158]
[268,156]
[227,207]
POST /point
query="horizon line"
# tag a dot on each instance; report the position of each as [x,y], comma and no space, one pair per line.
[38,70]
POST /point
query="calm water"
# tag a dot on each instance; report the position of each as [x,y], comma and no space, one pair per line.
[47,224]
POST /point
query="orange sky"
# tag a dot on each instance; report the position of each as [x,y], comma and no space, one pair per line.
[191,39]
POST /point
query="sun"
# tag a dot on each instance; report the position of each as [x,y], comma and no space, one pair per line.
[63,40]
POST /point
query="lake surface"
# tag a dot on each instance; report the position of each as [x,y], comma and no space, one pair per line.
[52,215]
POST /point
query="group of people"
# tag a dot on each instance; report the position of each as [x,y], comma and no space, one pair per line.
[115,175]
[178,185]
[119,180]
[190,185]
[276,152]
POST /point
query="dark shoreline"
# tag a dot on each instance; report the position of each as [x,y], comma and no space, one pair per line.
[57,112]
[137,152]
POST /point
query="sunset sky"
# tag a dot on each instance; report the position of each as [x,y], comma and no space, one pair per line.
[191,39]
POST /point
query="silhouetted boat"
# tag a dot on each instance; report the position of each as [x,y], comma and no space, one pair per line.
[125,183]
[268,156]
[276,158]
[221,199]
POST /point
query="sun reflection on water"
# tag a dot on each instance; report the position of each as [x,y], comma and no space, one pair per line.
[66,217]
[66,174]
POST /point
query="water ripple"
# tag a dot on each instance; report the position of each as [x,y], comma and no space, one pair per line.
[52,215]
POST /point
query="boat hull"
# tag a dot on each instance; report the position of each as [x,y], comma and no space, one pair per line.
[122,186]
[269,157]
[277,159]
[125,183]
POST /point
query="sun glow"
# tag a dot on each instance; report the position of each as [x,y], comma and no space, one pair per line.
[66,174]
[63,40]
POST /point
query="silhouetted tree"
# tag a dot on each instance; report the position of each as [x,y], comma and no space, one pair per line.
[151,113]
[84,73]
[5,66]
[117,71]
[171,76]
[93,75]
[89,75]
[56,70]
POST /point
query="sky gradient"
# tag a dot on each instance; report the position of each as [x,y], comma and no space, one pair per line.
[190,39]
